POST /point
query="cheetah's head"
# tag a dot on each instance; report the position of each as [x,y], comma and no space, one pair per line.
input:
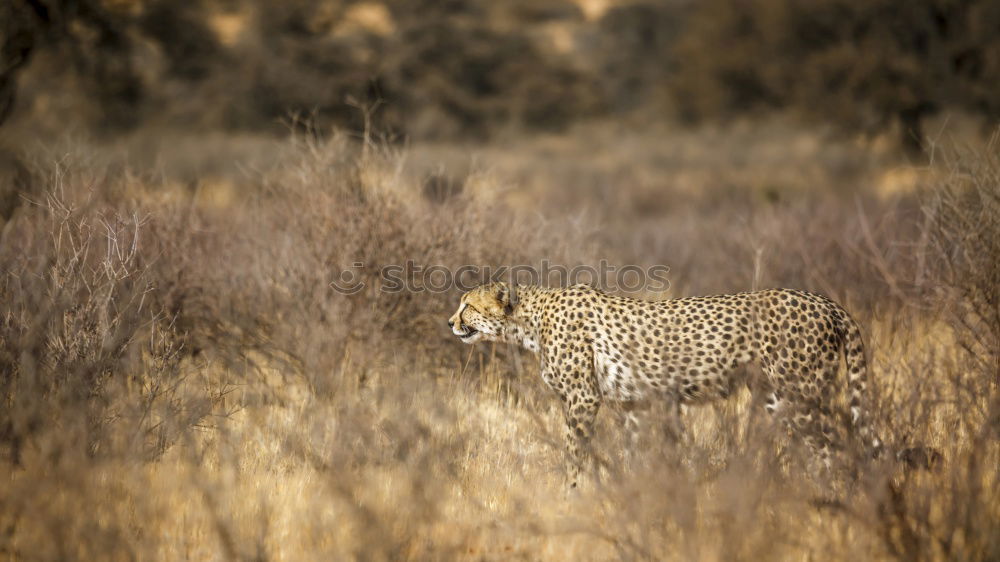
[483,313]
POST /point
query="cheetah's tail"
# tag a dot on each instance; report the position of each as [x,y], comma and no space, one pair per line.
[857,382]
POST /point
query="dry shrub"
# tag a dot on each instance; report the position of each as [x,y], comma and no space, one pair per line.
[183,380]
[80,325]
[963,235]
[957,518]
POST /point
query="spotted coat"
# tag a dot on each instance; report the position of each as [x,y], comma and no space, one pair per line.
[595,347]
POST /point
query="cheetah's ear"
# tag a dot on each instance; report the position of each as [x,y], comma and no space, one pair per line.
[507,297]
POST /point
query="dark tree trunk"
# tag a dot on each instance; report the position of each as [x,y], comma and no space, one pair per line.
[8,93]
[18,32]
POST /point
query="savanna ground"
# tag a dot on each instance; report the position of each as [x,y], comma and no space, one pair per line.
[180,380]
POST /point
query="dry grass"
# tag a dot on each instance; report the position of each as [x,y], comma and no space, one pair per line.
[181,382]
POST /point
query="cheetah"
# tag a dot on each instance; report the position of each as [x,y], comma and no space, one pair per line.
[596,347]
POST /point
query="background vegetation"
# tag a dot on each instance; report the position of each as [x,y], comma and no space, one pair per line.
[473,67]
[180,183]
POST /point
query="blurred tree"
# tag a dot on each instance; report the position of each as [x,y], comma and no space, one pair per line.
[296,62]
[636,50]
[860,64]
[466,61]
[181,31]
[18,34]
[85,32]
[441,67]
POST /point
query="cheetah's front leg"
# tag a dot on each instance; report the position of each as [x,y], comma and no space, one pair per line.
[569,370]
[580,408]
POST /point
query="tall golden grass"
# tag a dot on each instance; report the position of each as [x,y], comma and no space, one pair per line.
[180,380]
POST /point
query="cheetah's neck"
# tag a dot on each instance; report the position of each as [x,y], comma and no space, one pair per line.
[523,327]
